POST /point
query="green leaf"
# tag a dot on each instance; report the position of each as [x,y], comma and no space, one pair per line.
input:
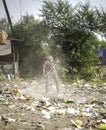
[102,127]
[79,122]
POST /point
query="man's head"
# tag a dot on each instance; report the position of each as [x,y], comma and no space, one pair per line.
[50,58]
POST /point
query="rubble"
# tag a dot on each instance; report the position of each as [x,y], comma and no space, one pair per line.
[77,110]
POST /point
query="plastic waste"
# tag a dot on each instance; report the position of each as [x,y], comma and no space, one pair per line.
[72,111]
[46,114]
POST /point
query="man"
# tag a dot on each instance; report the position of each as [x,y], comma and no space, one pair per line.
[50,71]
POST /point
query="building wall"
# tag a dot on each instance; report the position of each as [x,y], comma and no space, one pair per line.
[9,62]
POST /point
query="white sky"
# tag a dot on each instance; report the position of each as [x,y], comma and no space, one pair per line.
[17,8]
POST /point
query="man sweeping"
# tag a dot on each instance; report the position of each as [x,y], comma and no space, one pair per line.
[49,71]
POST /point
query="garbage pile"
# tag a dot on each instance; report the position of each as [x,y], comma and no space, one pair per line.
[19,111]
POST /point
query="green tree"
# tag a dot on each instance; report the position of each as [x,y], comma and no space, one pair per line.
[4,25]
[71,30]
[102,22]
[31,33]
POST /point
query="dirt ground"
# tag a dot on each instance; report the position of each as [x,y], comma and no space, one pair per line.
[24,105]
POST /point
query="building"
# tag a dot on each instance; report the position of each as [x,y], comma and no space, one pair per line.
[9,58]
[102,55]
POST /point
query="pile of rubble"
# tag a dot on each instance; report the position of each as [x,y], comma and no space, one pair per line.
[23,112]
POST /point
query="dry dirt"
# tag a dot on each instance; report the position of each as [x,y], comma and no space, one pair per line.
[24,105]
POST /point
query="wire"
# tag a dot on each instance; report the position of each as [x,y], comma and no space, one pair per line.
[16,7]
[15,10]
[22,8]
[12,9]
[2,10]
[20,3]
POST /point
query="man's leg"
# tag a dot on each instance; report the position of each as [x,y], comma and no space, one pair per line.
[56,82]
[46,85]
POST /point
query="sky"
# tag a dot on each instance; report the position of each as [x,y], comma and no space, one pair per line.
[18,8]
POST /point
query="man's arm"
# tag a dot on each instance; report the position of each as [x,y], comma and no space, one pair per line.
[43,69]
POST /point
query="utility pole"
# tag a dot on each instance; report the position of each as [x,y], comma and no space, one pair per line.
[8,15]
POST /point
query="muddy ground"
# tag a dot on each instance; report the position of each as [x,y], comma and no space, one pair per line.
[24,105]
